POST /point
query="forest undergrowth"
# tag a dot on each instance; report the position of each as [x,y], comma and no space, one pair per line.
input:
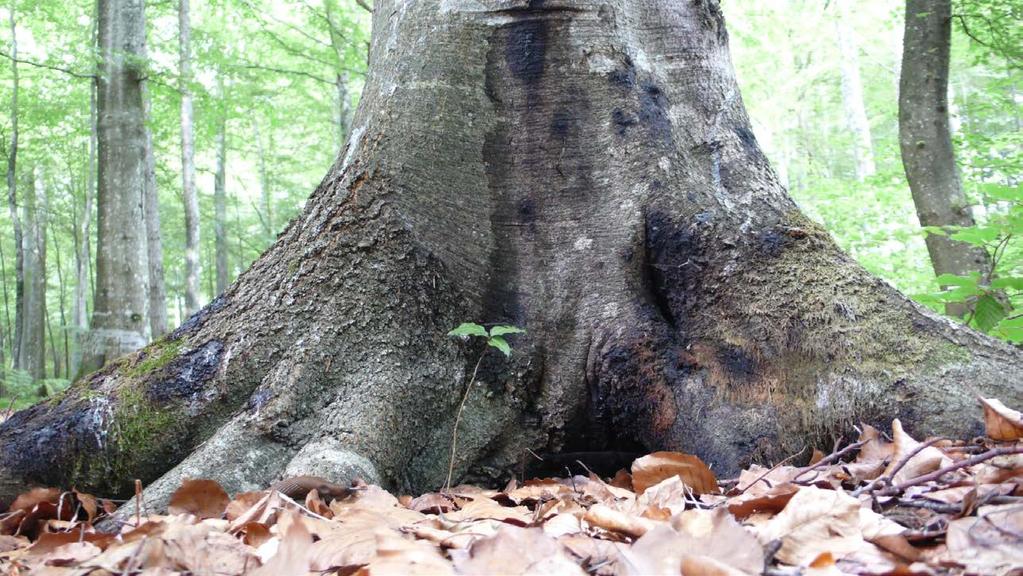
[884,504]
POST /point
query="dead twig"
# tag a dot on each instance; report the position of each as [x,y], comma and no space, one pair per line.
[833,457]
[980,458]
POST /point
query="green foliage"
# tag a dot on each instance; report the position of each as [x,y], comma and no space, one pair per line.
[494,338]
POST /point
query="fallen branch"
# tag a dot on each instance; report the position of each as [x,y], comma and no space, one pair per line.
[978,459]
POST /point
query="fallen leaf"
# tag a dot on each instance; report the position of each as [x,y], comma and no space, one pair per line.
[241,504]
[516,550]
[988,543]
[653,469]
[294,552]
[770,501]
[605,517]
[927,460]
[1001,422]
[815,522]
[201,498]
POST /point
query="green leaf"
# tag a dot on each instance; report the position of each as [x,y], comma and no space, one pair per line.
[935,230]
[502,330]
[1008,282]
[955,280]
[501,344]
[469,329]
[1001,192]
[977,235]
[1010,329]
[988,313]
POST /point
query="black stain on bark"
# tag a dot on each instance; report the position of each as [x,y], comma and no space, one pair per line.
[738,363]
[186,376]
[195,321]
[622,121]
[526,48]
[653,113]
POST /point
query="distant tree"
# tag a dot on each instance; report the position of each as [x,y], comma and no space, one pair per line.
[120,316]
[925,140]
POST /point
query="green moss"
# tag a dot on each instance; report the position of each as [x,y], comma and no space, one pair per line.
[139,430]
[157,355]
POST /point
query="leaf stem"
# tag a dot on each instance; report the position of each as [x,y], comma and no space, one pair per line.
[458,417]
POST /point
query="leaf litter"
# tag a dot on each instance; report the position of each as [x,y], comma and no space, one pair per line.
[879,506]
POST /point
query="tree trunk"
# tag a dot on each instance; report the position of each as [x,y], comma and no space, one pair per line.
[189,194]
[12,197]
[220,199]
[32,348]
[120,316]
[586,173]
[852,95]
[154,236]
[926,142]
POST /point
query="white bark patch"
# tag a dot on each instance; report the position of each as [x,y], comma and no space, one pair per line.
[664,163]
[583,243]
[353,146]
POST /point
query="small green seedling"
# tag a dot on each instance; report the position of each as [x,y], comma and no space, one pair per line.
[495,339]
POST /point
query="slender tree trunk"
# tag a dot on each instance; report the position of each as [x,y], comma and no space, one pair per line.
[220,198]
[266,215]
[852,94]
[12,198]
[926,142]
[585,172]
[32,350]
[83,228]
[61,358]
[189,193]
[154,236]
[120,316]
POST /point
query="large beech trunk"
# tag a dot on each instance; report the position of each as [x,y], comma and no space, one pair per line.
[583,170]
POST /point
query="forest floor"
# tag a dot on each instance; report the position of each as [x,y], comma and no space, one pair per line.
[881,505]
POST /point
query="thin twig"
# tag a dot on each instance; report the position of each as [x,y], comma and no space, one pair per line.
[905,459]
[834,457]
[773,468]
[67,71]
[364,5]
[993,453]
[458,417]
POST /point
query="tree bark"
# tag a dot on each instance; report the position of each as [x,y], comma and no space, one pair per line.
[926,142]
[220,199]
[120,316]
[32,348]
[157,289]
[587,173]
[190,196]
[12,196]
[852,94]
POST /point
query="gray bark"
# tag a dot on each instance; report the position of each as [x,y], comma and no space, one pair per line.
[190,196]
[12,195]
[587,173]
[852,94]
[154,235]
[120,316]
[220,199]
[83,235]
[32,348]
[926,142]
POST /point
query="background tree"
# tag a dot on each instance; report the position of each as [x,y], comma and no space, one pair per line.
[926,141]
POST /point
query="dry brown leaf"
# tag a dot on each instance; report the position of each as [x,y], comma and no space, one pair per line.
[241,504]
[927,460]
[516,550]
[612,520]
[30,499]
[652,469]
[699,542]
[1001,422]
[757,480]
[814,522]
[73,553]
[432,503]
[669,495]
[770,501]
[399,556]
[201,498]
[988,543]
[482,508]
[876,448]
[294,552]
